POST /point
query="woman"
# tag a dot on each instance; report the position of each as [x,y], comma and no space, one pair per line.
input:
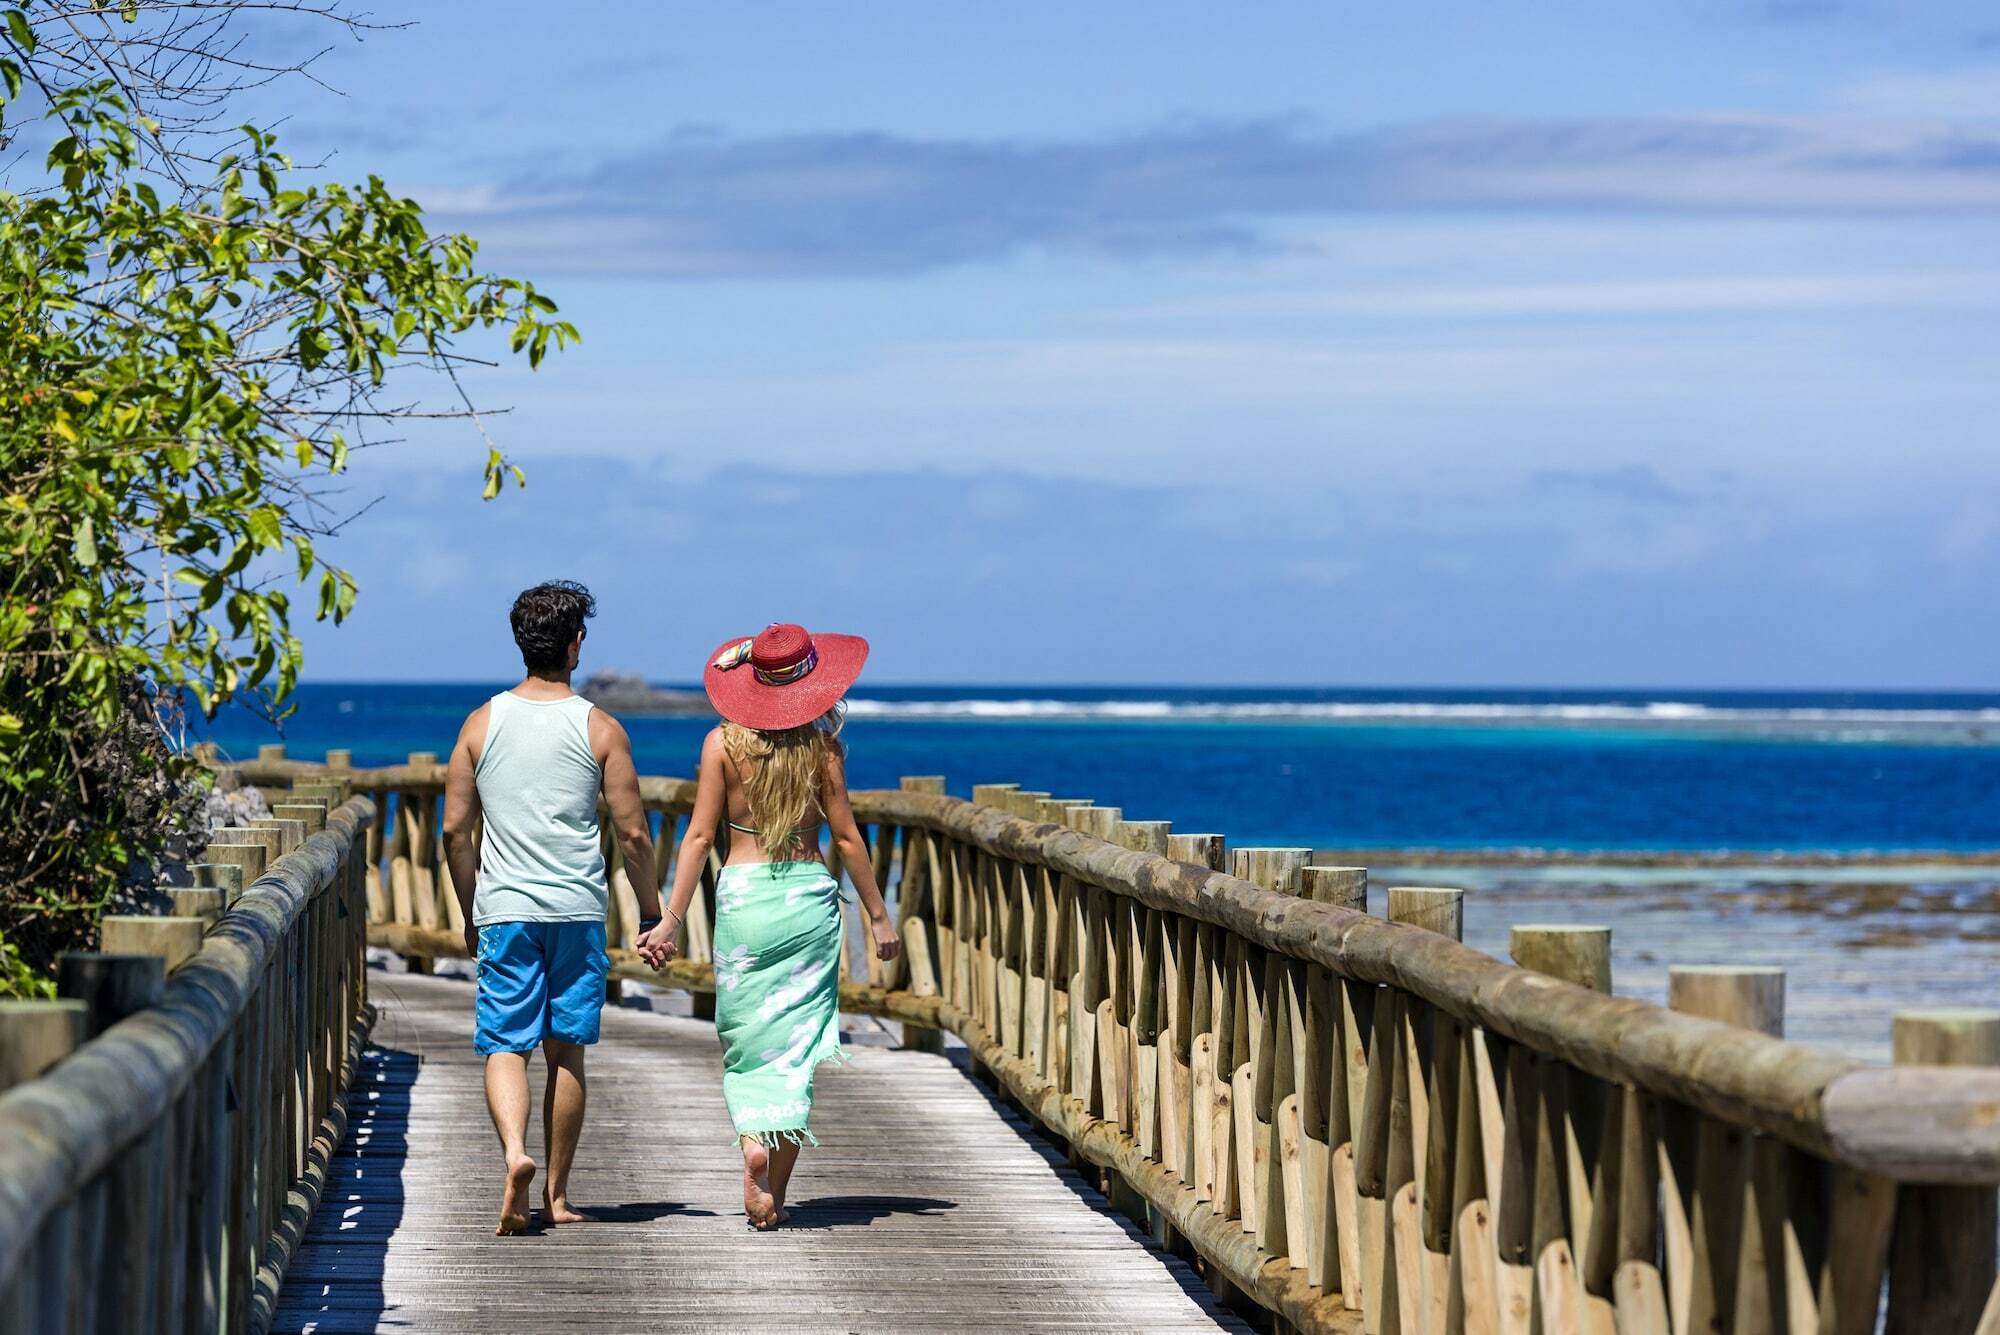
[773,772]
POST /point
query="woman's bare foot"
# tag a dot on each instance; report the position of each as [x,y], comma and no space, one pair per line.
[558,1210]
[514,1203]
[758,1206]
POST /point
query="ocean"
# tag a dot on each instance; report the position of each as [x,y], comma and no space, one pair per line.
[1573,770]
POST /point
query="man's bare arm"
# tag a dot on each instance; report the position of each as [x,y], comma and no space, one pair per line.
[628,817]
[461,817]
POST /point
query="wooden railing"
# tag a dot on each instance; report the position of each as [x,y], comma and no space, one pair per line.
[1357,1122]
[169,1124]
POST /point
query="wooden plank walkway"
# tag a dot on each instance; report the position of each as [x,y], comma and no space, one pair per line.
[927,1207]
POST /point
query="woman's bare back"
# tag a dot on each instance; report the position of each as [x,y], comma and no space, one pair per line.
[745,845]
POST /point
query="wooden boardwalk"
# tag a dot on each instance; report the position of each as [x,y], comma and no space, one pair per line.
[927,1206]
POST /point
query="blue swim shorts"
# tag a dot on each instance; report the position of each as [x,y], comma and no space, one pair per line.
[537,981]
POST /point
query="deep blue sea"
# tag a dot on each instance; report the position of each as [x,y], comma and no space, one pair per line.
[1572,770]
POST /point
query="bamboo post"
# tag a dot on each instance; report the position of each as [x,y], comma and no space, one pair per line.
[1572,952]
[174,940]
[1432,908]
[992,794]
[110,987]
[340,758]
[1941,1257]
[35,1035]
[1344,887]
[271,751]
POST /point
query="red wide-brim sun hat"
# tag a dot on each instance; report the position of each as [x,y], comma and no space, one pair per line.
[781,677]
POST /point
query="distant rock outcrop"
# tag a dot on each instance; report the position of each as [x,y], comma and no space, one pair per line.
[630,693]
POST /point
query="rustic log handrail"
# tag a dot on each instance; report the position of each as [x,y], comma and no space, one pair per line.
[160,1175]
[1361,1124]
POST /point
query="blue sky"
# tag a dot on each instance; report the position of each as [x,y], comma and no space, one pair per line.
[1559,344]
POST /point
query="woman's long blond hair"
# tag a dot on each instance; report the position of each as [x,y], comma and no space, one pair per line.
[781,773]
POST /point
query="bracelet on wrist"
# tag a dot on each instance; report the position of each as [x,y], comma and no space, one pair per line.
[648,924]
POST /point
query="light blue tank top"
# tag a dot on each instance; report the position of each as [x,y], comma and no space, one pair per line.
[540,859]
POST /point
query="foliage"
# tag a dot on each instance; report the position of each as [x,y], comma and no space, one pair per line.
[189,346]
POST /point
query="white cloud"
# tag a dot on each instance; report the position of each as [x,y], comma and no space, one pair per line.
[1970,94]
[1418,299]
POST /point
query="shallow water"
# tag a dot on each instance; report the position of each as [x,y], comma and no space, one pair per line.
[1917,938]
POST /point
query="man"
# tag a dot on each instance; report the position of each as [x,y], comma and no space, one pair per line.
[533,761]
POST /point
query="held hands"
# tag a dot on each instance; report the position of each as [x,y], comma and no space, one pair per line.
[888,944]
[656,946]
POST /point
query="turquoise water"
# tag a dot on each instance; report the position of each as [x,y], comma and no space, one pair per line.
[1577,770]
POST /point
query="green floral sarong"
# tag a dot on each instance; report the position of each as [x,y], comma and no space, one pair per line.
[777,992]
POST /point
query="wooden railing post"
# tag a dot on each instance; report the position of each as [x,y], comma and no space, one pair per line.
[1572,1242]
[1394,1167]
[1941,1257]
[1706,1164]
[916,1037]
[1264,1082]
[1434,909]
[1203,850]
[1572,952]
[1750,997]
[310,814]
[173,940]
[110,987]
[224,876]
[35,1035]
[1343,887]
[203,902]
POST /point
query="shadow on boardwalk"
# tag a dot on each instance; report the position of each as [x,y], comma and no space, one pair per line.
[340,1266]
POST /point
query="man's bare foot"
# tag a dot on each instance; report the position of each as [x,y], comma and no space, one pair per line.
[758,1206]
[514,1204]
[558,1210]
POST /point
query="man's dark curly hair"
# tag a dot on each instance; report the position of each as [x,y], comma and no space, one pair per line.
[546,618]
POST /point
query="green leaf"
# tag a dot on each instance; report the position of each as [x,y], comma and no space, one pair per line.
[18,29]
[266,526]
[86,543]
